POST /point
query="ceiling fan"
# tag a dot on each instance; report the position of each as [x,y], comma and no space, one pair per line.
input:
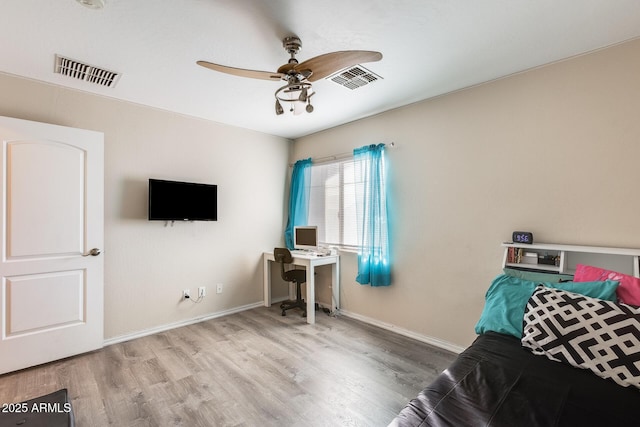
[299,75]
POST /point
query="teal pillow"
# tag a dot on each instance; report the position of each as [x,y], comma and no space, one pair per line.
[507,297]
[538,276]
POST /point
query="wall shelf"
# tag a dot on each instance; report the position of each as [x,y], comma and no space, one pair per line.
[624,260]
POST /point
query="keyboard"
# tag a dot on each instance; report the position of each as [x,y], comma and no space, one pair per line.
[301,252]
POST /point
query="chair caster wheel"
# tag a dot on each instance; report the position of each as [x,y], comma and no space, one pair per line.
[304,314]
[284,313]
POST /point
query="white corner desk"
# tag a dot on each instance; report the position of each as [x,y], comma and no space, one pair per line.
[310,262]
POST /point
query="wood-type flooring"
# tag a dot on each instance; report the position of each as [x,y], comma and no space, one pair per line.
[254,368]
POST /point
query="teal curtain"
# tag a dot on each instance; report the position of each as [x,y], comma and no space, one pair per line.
[298,198]
[374,267]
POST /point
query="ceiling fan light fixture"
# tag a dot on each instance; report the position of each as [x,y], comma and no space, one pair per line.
[294,94]
[297,108]
[303,95]
[279,109]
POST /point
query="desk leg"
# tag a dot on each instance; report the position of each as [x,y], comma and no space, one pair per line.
[335,287]
[311,294]
[267,282]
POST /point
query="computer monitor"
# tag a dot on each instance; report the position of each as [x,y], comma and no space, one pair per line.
[305,237]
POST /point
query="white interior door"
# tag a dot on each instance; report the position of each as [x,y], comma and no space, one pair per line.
[51,204]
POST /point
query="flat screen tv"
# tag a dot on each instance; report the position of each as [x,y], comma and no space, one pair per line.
[182,201]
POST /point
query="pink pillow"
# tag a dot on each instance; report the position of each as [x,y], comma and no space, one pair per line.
[629,290]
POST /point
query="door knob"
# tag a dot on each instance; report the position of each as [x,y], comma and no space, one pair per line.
[93,252]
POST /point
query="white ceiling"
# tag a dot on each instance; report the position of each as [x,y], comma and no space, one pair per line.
[429,47]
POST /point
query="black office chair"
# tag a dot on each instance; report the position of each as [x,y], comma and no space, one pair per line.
[282,257]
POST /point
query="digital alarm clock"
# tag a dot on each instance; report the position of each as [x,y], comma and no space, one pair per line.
[522,237]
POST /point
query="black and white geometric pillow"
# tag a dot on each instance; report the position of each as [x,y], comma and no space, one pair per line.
[585,332]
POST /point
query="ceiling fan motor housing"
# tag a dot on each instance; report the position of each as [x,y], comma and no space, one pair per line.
[292,45]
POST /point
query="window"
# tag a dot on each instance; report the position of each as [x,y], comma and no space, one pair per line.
[348,204]
[332,202]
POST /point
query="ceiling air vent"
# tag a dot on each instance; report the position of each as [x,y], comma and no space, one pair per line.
[354,77]
[86,72]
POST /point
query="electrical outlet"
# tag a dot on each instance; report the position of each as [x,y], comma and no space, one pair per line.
[202,292]
[219,287]
[186,294]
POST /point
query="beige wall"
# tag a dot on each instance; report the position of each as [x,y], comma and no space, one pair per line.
[147,264]
[554,151]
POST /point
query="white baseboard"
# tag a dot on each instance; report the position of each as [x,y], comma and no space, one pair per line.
[388,326]
[168,326]
[407,333]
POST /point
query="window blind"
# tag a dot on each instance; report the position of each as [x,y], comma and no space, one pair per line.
[332,202]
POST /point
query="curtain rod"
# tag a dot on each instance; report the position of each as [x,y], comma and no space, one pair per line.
[340,156]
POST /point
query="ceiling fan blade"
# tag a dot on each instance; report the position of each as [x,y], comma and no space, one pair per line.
[284,69]
[263,75]
[327,64]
